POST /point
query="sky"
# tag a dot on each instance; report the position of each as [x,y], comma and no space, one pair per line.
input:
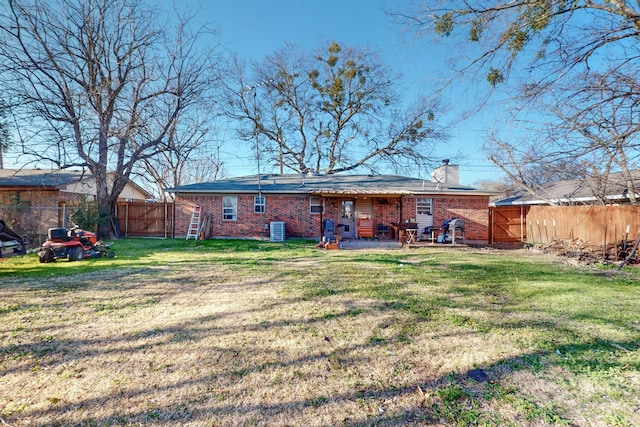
[254,29]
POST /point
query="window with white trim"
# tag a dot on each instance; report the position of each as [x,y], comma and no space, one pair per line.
[258,204]
[317,205]
[229,208]
[424,206]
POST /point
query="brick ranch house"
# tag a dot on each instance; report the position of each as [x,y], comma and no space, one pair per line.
[33,200]
[245,207]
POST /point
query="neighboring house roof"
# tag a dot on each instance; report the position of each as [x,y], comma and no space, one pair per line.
[39,177]
[610,189]
[56,179]
[327,185]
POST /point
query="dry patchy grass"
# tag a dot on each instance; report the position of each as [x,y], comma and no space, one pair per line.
[303,337]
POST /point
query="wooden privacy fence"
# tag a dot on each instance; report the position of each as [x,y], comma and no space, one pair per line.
[594,224]
[139,219]
[541,224]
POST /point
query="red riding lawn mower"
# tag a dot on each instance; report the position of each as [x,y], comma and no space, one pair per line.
[74,244]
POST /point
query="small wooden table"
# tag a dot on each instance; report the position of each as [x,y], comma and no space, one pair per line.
[411,235]
[401,231]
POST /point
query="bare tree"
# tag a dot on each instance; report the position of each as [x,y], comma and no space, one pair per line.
[568,64]
[187,157]
[588,133]
[4,133]
[502,186]
[98,84]
[558,38]
[601,118]
[333,111]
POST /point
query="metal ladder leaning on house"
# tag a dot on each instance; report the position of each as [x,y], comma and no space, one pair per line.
[194,225]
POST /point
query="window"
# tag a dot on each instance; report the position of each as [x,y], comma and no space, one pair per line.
[347,209]
[229,208]
[258,204]
[425,206]
[317,205]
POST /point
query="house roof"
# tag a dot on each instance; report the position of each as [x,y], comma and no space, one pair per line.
[48,178]
[327,185]
[39,177]
[611,188]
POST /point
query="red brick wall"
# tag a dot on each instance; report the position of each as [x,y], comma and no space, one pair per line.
[38,198]
[386,210]
[37,211]
[408,209]
[295,212]
[474,211]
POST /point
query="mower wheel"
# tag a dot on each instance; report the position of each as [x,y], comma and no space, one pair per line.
[45,255]
[75,253]
[110,254]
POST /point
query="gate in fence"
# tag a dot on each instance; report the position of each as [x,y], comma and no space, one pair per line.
[507,224]
[139,219]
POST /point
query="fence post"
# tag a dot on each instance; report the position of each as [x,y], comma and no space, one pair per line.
[539,231]
[533,236]
[546,233]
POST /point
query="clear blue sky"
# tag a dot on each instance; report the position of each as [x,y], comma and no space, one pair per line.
[256,28]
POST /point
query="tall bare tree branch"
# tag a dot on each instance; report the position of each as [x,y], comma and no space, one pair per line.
[569,69]
[100,85]
[334,111]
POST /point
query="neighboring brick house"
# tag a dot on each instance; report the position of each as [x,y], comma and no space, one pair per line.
[33,200]
[247,206]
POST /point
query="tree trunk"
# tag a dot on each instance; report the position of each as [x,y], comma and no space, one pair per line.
[106,204]
[107,209]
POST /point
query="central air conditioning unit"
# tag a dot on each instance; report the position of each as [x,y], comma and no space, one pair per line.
[277,233]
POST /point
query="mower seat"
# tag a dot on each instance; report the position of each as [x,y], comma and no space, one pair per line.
[58,235]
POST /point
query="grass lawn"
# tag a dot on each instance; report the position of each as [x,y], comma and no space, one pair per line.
[227,332]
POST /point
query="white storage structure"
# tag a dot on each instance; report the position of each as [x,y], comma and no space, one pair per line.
[277,232]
